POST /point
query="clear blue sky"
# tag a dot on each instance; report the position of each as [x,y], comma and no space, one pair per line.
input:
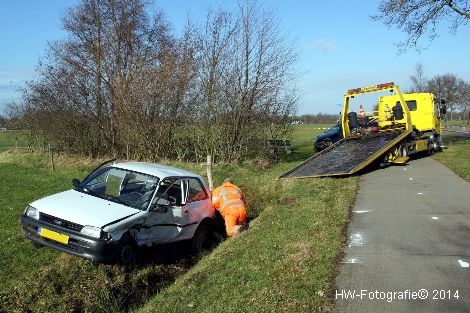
[339,46]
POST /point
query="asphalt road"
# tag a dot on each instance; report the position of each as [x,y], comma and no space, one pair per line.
[409,238]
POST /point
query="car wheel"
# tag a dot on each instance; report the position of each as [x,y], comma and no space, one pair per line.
[128,252]
[326,143]
[201,236]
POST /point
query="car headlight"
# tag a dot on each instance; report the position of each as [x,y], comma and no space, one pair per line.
[106,236]
[91,231]
[32,212]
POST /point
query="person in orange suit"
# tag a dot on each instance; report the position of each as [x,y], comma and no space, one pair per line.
[229,200]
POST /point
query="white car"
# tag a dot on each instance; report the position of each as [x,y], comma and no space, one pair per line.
[120,207]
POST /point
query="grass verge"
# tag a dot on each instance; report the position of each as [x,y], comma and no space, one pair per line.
[284,262]
[456,155]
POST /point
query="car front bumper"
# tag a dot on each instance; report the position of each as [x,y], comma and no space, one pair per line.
[98,250]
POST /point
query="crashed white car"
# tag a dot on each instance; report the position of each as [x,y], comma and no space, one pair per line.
[120,207]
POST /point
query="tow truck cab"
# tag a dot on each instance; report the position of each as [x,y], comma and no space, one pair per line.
[425,111]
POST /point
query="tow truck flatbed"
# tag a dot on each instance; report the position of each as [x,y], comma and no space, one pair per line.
[347,156]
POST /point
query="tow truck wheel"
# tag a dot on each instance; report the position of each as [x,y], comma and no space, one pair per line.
[199,240]
[430,148]
[404,151]
[37,245]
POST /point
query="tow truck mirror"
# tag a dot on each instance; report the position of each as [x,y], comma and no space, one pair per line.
[75,182]
[443,109]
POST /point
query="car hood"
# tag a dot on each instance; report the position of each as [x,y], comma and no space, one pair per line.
[82,208]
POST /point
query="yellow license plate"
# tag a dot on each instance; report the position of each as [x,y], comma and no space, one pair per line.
[50,234]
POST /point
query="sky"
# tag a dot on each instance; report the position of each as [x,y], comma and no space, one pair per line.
[339,46]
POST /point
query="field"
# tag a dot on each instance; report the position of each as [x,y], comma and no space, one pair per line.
[11,139]
[284,262]
[457,123]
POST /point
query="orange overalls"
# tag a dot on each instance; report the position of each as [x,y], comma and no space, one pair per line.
[229,200]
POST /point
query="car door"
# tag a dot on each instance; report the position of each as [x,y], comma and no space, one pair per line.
[338,134]
[198,203]
[167,216]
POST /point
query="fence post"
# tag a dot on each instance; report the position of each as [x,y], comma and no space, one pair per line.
[51,154]
[209,172]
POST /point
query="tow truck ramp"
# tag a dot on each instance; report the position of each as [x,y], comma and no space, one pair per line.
[392,138]
[348,155]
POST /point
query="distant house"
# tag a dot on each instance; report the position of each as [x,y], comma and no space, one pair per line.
[3,128]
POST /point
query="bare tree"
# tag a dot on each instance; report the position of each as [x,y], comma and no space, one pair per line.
[247,70]
[448,87]
[122,84]
[465,101]
[418,18]
[263,71]
[89,82]
[418,79]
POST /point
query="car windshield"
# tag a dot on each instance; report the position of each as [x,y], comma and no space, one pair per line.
[122,186]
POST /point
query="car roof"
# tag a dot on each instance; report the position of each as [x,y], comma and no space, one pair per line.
[154,169]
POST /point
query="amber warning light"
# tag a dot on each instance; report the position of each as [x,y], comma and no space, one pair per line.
[371,88]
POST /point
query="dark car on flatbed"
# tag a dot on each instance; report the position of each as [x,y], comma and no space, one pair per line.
[329,137]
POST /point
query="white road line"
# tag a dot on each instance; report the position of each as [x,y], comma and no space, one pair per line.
[360,211]
[356,240]
[435,218]
[419,193]
[463,264]
[411,178]
[352,261]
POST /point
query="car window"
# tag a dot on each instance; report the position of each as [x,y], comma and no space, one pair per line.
[109,181]
[123,186]
[196,191]
[169,192]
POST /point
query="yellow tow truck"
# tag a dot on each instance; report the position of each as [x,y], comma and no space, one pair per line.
[403,124]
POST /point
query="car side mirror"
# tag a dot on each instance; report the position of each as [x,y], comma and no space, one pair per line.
[75,182]
[160,209]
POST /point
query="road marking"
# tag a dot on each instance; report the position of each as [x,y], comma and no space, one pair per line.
[352,261]
[356,240]
[404,169]
[419,193]
[435,218]
[411,178]
[463,264]
[360,211]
